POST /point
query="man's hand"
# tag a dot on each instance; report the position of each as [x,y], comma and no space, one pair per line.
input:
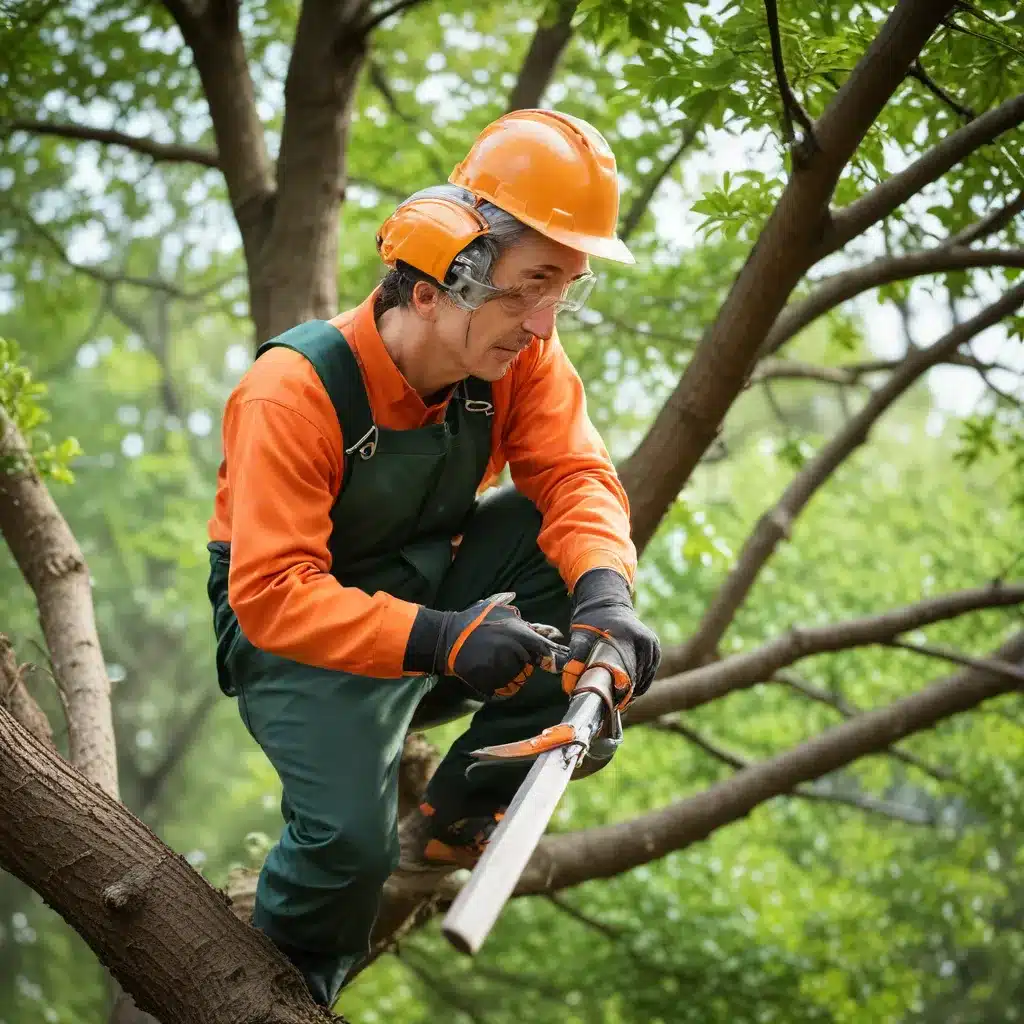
[488,646]
[602,609]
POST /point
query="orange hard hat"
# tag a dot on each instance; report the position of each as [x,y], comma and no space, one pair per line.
[553,172]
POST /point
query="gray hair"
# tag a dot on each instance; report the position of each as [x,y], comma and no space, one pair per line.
[481,254]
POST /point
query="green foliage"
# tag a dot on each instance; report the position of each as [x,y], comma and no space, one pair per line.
[21,398]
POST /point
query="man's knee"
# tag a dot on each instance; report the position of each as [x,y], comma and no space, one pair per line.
[508,513]
[352,852]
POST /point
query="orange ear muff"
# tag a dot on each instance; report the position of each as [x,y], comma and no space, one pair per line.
[429,233]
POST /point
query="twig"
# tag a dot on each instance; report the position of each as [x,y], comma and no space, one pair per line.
[817,791]
[1002,668]
[990,223]
[709,746]
[806,146]
[850,710]
[957,27]
[643,199]
[918,72]
[690,689]
[449,993]
[377,19]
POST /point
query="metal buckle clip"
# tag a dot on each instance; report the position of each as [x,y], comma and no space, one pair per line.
[366,445]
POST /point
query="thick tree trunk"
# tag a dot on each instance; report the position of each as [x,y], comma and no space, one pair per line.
[166,935]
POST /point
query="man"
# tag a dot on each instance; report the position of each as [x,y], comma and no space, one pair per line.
[357,574]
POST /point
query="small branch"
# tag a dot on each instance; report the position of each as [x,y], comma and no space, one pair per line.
[15,697]
[615,934]
[546,48]
[152,785]
[380,82]
[832,291]
[918,72]
[850,374]
[168,152]
[643,199]
[871,804]
[572,858]
[956,27]
[849,710]
[825,794]
[776,524]
[957,658]
[892,193]
[991,223]
[439,987]
[690,689]
[710,747]
[376,20]
[791,108]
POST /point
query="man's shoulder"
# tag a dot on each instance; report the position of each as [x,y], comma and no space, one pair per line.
[279,373]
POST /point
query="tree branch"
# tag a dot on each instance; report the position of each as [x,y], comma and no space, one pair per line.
[777,523]
[643,199]
[15,697]
[791,108]
[958,658]
[685,690]
[823,793]
[296,275]
[572,858]
[152,784]
[839,288]
[214,37]
[856,218]
[991,223]
[387,12]
[918,72]
[688,422]
[169,152]
[546,47]
[849,710]
[52,563]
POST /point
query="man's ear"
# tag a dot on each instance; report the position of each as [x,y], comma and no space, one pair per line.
[426,300]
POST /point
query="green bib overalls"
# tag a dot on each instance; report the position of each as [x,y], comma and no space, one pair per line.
[335,739]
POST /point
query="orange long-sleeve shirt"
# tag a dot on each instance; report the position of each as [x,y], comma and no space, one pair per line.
[282,468]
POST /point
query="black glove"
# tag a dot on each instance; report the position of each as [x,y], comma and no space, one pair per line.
[602,609]
[488,646]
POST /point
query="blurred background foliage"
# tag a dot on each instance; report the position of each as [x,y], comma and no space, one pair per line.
[122,285]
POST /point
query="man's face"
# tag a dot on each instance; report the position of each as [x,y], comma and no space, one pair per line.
[484,343]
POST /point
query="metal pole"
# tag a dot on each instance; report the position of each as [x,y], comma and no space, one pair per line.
[479,902]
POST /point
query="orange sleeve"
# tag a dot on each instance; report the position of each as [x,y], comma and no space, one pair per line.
[558,460]
[283,470]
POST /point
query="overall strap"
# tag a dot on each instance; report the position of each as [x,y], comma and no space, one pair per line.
[336,366]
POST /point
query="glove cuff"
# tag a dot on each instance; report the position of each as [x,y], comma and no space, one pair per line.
[424,639]
[604,585]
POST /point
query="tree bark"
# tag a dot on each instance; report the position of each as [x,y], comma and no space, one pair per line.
[166,935]
[689,420]
[53,566]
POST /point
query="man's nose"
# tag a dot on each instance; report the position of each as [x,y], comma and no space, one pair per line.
[541,323]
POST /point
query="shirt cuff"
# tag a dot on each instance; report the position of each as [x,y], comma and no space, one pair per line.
[598,559]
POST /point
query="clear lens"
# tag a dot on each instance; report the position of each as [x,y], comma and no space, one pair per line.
[525,299]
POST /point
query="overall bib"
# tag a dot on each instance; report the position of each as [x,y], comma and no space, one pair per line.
[334,738]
